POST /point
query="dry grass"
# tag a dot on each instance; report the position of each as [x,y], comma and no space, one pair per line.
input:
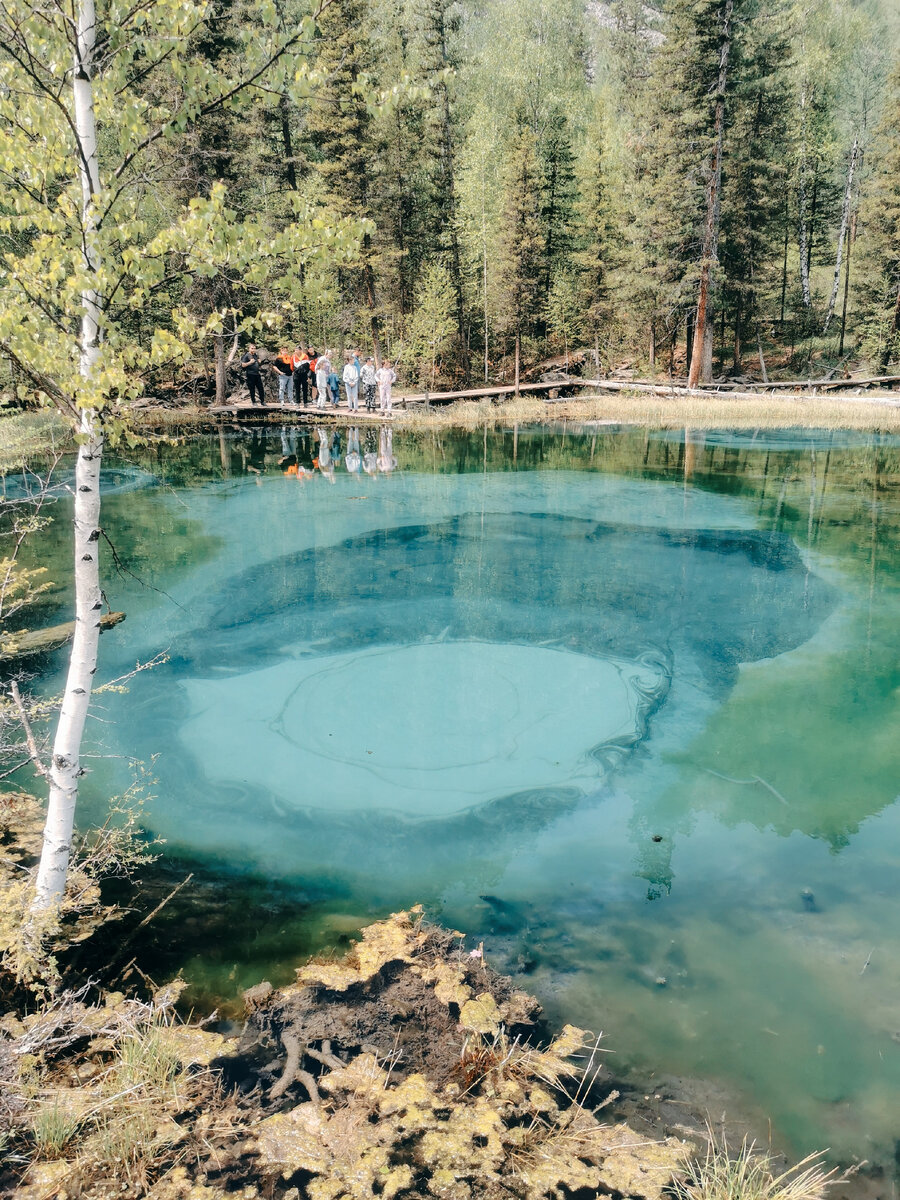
[751,1175]
[770,412]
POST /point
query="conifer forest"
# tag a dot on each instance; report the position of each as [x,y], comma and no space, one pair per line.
[687,187]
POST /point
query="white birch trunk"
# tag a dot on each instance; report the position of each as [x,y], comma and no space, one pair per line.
[842,237]
[65,768]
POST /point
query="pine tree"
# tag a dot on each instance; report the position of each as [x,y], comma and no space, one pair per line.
[339,128]
[522,244]
[557,170]
[437,27]
[754,168]
[881,228]
[593,256]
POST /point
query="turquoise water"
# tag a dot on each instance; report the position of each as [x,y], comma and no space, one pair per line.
[622,704]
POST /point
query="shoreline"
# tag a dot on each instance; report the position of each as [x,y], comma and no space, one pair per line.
[877,413]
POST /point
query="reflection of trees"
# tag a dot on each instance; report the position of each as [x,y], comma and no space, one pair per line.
[680,601]
[635,588]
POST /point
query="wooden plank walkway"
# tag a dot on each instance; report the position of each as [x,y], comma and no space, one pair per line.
[403,401]
[790,389]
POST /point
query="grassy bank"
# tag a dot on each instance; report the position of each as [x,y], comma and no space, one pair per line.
[26,437]
[706,412]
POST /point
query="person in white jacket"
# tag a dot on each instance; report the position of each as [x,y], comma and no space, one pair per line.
[323,370]
[386,377]
[351,385]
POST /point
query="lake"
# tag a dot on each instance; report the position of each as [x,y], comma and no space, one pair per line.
[621,704]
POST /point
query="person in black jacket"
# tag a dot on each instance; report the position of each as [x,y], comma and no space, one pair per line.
[250,365]
[301,377]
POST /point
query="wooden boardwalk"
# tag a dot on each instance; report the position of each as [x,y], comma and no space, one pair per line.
[404,401]
[789,389]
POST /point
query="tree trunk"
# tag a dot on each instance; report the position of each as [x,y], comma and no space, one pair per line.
[290,171]
[784,261]
[814,203]
[518,357]
[802,220]
[484,279]
[851,236]
[842,236]
[762,361]
[448,170]
[737,363]
[372,302]
[689,338]
[652,347]
[219,347]
[65,768]
[892,334]
[701,360]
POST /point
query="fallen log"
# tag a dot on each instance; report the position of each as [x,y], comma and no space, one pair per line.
[717,392]
[38,641]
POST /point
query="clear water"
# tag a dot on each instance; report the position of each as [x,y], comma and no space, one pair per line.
[622,704]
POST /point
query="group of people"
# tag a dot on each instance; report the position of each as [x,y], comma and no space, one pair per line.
[302,460]
[305,377]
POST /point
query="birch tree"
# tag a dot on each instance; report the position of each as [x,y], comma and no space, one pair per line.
[88,102]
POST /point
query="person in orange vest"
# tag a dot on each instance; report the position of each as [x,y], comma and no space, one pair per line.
[284,373]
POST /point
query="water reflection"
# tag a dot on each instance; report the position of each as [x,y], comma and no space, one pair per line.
[739,597]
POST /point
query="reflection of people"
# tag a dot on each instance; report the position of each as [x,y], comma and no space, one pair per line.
[352,461]
[369,383]
[324,461]
[250,365]
[386,377]
[386,461]
[370,458]
[305,453]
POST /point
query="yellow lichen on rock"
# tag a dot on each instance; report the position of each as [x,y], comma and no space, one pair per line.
[362,1077]
[396,939]
[635,1166]
[448,980]
[348,1155]
[414,1098]
[481,1015]
[194,1047]
[469,1142]
[45,1179]
[576,1151]
[177,1185]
